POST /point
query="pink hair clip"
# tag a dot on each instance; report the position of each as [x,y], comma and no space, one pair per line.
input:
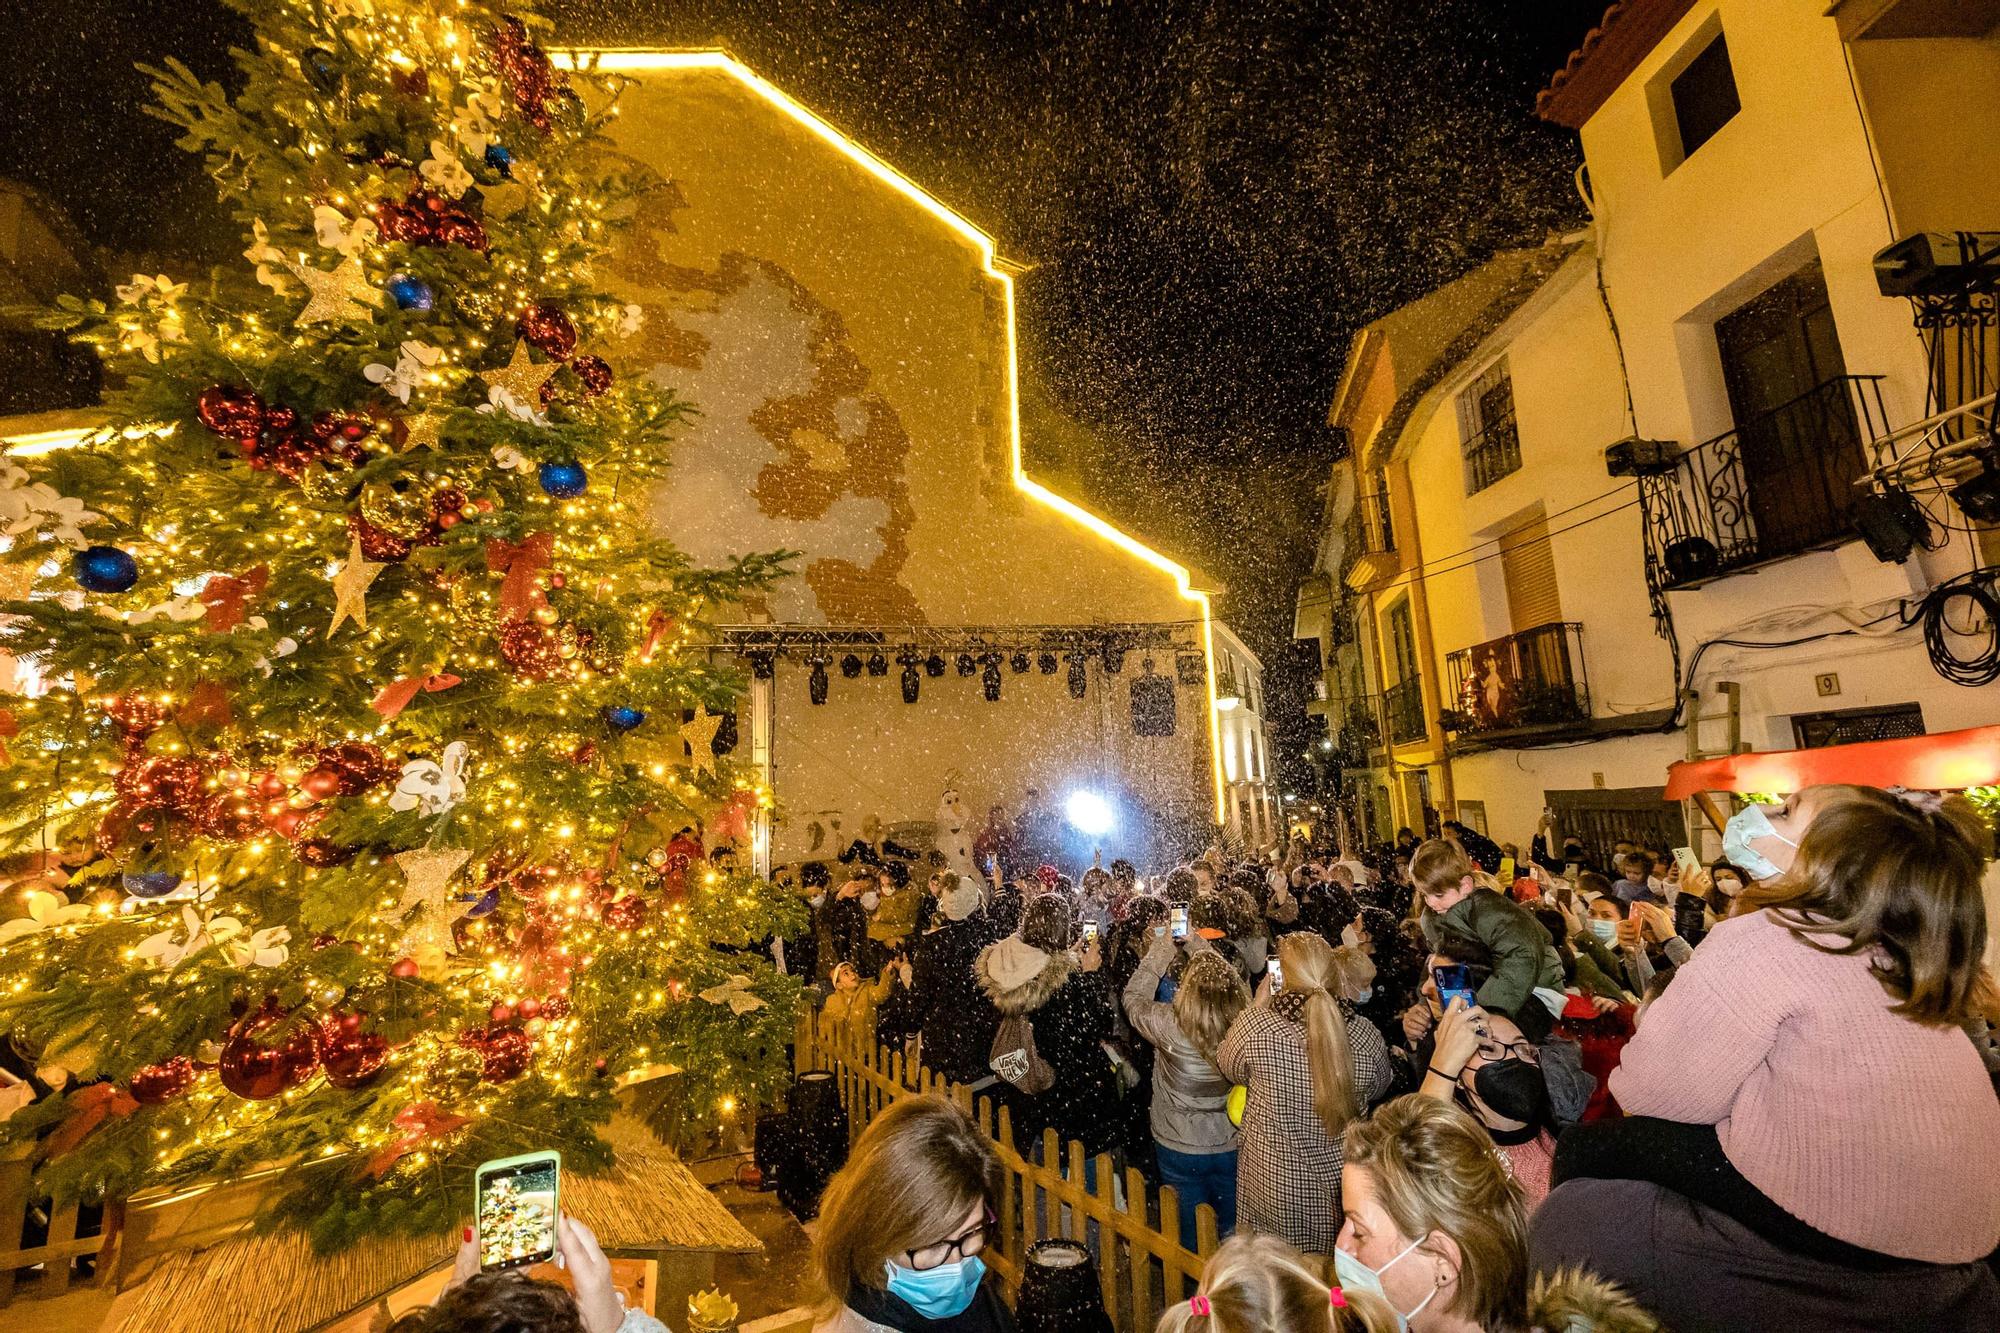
[1198,1304]
[1336,1299]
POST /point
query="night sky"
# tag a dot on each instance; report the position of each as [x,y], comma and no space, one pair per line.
[1214,196]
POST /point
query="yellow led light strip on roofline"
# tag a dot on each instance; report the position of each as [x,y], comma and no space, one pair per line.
[628,61]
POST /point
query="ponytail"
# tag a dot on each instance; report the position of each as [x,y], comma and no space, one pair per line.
[1310,967]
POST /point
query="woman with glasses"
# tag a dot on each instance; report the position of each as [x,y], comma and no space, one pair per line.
[903,1224]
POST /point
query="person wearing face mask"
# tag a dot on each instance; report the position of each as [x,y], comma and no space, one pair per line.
[1810,1135]
[943,1002]
[1483,1064]
[903,1225]
[1436,1225]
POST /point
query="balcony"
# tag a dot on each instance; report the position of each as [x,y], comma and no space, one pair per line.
[1533,681]
[1404,705]
[1780,484]
[1360,733]
[1371,541]
[1493,453]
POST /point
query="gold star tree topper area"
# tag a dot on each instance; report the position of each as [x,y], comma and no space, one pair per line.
[344,293]
[521,376]
[699,733]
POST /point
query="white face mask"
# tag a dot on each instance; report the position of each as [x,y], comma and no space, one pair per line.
[817,900]
[1353,1273]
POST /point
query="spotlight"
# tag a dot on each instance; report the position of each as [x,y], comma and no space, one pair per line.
[1047,662]
[989,679]
[911,680]
[934,665]
[1019,661]
[1076,675]
[763,665]
[1114,659]
[1979,496]
[1089,813]
[850,666]
[966,666]
[878,665]
[816,682]
[1890,522]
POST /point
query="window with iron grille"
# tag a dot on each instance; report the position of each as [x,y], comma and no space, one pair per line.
[1486,423]
[1845,726]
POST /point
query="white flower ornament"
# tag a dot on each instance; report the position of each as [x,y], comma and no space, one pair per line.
[335,232]
[413,363]
[735,993]
[45,909]
[444,171]
[431,787]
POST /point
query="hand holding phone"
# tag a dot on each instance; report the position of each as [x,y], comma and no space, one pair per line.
[517,1209]
[1180,924]
[1454,982]
[1089,932]
[1277,975]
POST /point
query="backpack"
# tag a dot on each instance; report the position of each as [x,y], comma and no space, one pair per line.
[1015,1058]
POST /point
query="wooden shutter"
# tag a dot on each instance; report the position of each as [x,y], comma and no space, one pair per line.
[1528,564]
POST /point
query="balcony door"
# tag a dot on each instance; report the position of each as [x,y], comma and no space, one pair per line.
[1799,443]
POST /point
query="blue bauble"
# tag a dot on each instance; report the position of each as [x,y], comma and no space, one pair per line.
[105,569]
[410,293]
[563,480]
[623,717]
[501,158]
[152,883]
[320,68]
[482,903]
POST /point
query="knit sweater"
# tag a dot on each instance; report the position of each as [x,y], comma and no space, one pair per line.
[1873,1128]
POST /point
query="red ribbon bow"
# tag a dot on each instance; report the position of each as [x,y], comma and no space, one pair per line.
[420,1123]
[658,626]
[732,821]
[90,1107]
[9,729]
[225,594]
[396,695]
[522,561]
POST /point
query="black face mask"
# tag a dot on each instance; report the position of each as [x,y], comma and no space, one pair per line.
[1513,1089]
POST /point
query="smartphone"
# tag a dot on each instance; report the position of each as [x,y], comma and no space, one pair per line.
[517,1209]
[1454,982]
[1569,870]
[1506,875]
[1684,858]
[1089,933]
[1179,919]
[1277,976]
[1689,921]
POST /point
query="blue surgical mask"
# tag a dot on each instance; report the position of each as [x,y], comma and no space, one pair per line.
[1353,1273]
[1366,994]
[1606,931]
[938,1293]
[1745,825]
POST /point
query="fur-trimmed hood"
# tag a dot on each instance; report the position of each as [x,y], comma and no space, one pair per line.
[1573,1300]
[1018,977]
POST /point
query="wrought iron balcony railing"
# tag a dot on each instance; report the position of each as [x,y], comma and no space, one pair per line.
[1779,484]
[1368,528]
[1404,705]
[1532,680]
[1493,453]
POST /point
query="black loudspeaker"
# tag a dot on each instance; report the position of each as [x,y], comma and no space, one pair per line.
[816,1143]
[1690,559]
[1890,522]
[1152,704]
[1060,1292]
[772,1148]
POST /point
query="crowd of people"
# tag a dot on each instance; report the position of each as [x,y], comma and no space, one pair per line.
[1444,1086]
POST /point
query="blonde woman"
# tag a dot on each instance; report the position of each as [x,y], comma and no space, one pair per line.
[1311,1065]
[1259,1284]
[1195,1141]
[902,1226]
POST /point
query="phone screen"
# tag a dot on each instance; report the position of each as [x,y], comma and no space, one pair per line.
[1179,919]
[1277,976]
[517,1210]
[1090,932]
[1454,982]
[1506,875]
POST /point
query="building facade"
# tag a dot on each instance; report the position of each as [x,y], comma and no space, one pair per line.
[1250,796]
[1638,493]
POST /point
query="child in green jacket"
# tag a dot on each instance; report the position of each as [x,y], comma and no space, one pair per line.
[1455,902]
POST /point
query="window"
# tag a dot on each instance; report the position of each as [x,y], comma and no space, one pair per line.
[1528,568]
[1704,96]
[1473,815]
[1845,726]
[1486,423]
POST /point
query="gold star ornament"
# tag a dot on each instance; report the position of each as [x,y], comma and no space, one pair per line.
[350,588]
[342,294]
[427,876]
[521,377]
[699,733]
[421,431]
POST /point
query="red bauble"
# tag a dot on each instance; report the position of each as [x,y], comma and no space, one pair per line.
[504,1051]
[322,853]
[165,782]
[628,913]
[403,968]
[531,650]
[136,715]
[266,1054]
[545,327]
[270,786]
[595,372]
[321,783]
[378,545]
[231,411]
[286,822]
[556,1006]
[528,1007]
[231,815]
[352,1058]
[357,766]
[162,1082]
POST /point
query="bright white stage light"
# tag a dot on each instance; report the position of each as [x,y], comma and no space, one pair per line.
[1090,813]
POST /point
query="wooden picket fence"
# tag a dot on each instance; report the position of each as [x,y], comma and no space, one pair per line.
[56,1256]
[1141,1264]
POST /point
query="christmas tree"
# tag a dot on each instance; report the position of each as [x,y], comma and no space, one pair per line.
[372,722]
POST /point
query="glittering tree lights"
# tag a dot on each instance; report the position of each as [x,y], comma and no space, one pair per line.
[367,728]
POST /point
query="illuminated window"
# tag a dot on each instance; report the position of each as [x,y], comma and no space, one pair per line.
[1492,445]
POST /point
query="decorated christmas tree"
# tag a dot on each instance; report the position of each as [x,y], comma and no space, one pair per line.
[368,746]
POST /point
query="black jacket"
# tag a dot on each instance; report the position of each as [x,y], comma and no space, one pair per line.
[945,1003]
[1070,1012]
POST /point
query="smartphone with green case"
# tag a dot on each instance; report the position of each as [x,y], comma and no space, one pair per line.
[517,1209]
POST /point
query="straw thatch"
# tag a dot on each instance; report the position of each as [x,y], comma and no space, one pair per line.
[274,1283]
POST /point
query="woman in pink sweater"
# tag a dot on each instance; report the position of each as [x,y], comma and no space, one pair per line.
[1806,1078]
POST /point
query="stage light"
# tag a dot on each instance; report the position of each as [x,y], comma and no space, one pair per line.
[1089,813]
[850,666]
[1019,661]
[911,681]
[816,682]
[878,665]
[1076,675]
[989,679]
[1979,495]
[764,665]
[934,665]
[966,666]
[1114,659]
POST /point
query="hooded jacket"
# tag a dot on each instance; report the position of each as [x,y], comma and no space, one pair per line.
[1574,1300]
[1071,1018]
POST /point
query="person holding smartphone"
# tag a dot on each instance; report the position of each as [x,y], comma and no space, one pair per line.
[472,1299]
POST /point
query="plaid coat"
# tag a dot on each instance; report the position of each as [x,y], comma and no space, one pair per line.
[1287,1167]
